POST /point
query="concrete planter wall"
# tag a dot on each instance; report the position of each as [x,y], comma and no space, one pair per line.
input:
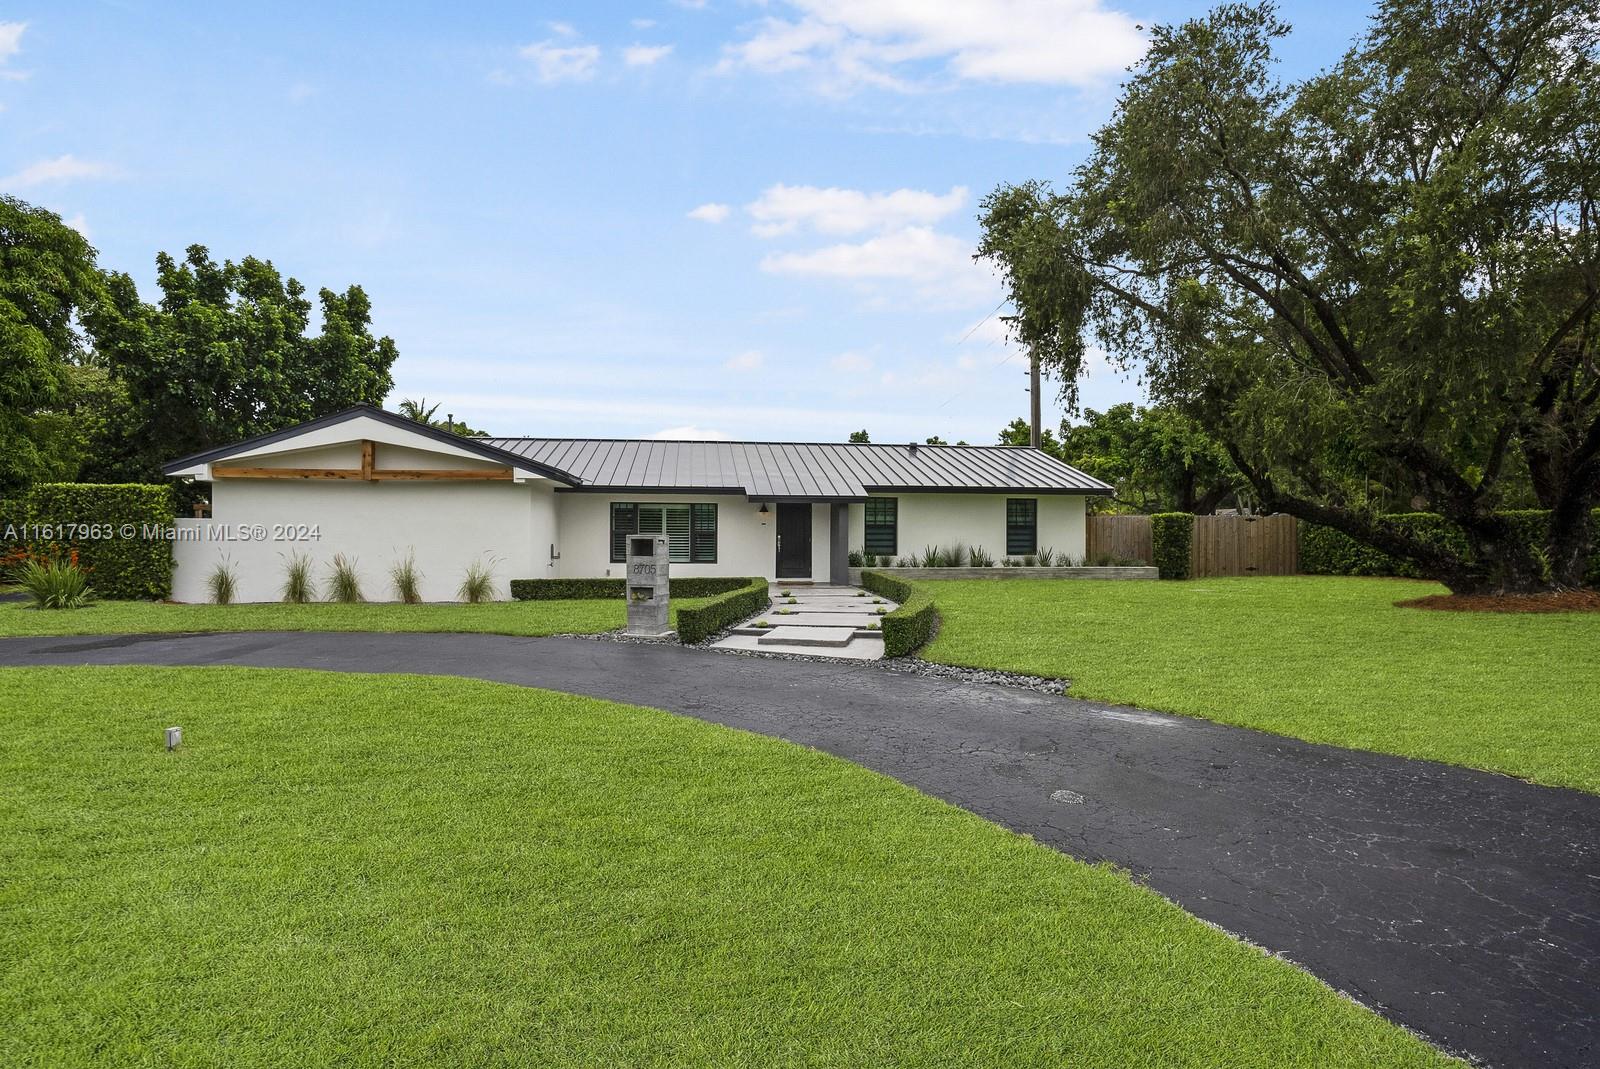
[1139,572]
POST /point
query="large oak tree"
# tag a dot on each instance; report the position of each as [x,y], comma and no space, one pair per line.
[1385,274]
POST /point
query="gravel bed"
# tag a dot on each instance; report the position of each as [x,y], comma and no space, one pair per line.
[903,665]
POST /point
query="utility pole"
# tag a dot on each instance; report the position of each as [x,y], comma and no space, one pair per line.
[1033,400]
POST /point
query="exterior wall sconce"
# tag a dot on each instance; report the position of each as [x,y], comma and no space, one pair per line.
[763,514]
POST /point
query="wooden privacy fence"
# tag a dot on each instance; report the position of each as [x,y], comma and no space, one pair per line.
[1127,537]
[1223,545]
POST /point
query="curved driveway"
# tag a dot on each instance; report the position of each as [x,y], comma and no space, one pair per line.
[1462,904]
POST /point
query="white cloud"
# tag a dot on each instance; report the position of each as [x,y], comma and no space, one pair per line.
[938,266]
[11,39]
[848,44]
[562,29]
[749,360]
[10,45]
[852,362]
[642,24]
[690,433]
[710,213]
[915,252]
[645,55]
[61,169]
[555,63]
[783,209]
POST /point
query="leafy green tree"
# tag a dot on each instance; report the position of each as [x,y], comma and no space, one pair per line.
[48,280]
[1158,459]
[1389,271]
[1017,432]
[226,354]
[860,438]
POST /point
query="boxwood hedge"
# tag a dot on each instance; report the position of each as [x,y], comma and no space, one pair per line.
[913,624]
[1172,542]
[117,529]
[695,586]
[699,624]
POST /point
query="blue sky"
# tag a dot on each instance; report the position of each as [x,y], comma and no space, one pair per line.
[718,219]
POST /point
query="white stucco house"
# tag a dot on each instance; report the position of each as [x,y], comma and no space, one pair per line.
[376,487]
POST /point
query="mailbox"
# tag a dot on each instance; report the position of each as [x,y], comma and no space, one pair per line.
[649,563]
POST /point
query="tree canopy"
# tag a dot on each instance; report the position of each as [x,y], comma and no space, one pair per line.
[48,280]
[226,353]
[1386,274]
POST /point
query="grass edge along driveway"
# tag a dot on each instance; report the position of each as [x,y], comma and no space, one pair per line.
[458,872]
[526,618]
[1327,659]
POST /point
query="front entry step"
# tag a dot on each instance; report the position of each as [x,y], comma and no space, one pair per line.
[806,636]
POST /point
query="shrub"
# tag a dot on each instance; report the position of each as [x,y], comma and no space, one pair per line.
[699,624]
[1047,557]
[477,586]
[1029,561]
[406,579]
[979,557]
[299,587]
[1172,539]
[697,586]
[854,558]
[223,582]
[909,627]
[344,582]
[127,564]
[1325,551]
[869,560]
[55,584]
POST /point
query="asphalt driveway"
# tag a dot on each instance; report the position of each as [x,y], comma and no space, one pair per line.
[1462,904]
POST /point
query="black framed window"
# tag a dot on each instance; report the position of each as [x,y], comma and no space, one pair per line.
[691,529]
[883,526]
[1022,526]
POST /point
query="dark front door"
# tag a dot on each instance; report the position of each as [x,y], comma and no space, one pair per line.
[794,541]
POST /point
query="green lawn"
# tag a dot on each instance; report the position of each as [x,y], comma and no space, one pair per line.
[498,617]
[1320,658]
[390,870]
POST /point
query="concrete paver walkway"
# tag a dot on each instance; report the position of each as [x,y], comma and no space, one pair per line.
[815,621]
[1462,904]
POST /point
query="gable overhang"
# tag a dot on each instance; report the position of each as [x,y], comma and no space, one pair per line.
[364,424]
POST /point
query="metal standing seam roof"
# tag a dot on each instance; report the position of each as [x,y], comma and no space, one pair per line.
[801,470]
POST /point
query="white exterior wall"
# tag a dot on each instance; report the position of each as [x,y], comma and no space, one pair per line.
[745,546]
[446,524]
[976,520]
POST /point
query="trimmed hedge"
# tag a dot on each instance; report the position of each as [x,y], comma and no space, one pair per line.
[698,624]
[119,546]
[1324,551]
[1172,542]
[697,586]
[913,624]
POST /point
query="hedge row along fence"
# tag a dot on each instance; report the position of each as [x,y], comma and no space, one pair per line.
[735,598]
[913,624]
[1172,543]
[1324,551]
[92,519]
